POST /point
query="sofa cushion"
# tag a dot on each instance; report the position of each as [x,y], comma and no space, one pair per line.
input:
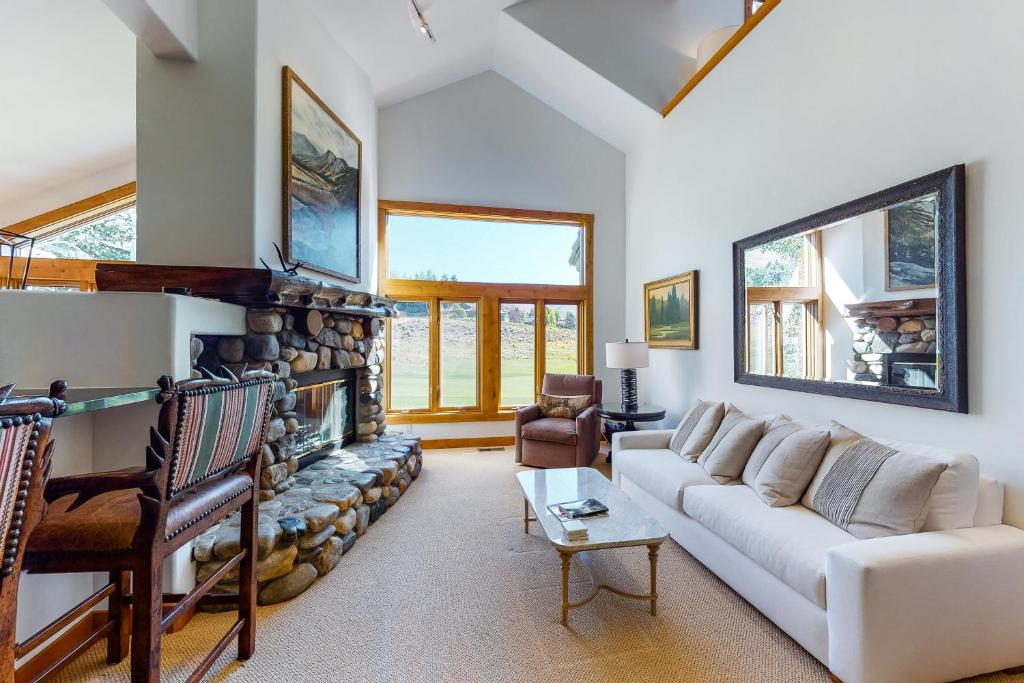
[791,543]
[696,429]
[871,489]
[784,461]
[730,448]
[552,430]
[661,473]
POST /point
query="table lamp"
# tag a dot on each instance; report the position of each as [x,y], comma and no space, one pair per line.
[627,356]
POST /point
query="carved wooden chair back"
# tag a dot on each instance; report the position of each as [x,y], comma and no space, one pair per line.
[213,426]
[25,454]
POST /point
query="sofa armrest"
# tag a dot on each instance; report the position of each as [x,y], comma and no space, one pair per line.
[524,415]
[933,606]
[588,436]
[651,438]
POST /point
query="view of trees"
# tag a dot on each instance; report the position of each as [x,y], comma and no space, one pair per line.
[112,238]
[776,264]
[669,310]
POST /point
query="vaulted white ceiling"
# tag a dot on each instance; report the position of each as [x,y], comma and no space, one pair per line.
[68,74]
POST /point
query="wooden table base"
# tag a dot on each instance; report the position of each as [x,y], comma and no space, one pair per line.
[652,554]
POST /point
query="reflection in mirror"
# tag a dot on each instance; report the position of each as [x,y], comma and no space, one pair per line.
[853,301]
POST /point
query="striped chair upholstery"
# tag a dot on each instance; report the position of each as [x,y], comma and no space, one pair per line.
[19,437]
[216,427]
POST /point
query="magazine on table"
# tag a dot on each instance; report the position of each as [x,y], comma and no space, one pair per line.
[578,509]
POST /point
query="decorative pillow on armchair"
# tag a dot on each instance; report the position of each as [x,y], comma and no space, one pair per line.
[870,489]
[696,430]
[566,407]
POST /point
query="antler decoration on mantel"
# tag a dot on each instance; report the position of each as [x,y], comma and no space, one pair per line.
[291,270]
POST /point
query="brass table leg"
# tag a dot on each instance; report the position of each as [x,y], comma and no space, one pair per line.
[652,554]
[565,587]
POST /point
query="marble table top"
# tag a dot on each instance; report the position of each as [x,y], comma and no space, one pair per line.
[625,524]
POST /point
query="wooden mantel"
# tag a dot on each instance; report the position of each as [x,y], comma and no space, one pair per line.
[900,308]
[245,286]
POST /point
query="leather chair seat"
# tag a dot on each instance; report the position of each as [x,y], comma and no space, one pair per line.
[552,430]
[108,522]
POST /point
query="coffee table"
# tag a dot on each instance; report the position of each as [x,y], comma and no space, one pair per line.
[625,525]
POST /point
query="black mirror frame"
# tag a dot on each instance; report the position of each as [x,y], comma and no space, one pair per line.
[951,280]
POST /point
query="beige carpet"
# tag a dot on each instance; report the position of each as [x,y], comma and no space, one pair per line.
[446,587]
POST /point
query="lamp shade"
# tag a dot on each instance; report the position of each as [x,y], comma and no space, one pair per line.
[624,355]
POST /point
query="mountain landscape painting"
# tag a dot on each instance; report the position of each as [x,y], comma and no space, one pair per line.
[321,189]
[670,306]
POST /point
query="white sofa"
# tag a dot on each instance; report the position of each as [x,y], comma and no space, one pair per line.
[938,605]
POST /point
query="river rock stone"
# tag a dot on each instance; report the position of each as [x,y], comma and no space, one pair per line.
[916,347]
[267,455]
[341,495]
[320,516]
[290,337]
[273,475]
[329,556]
[310,541]
[928,335]
[288,586]
[376,510]
[202,549]
[231,349]
[287,404]
[372,495]
[264,320]
[346,522]
[357,330]
[887,324]
[362,519]
[292,527]
[262,347]
[304,361]
[329,337]
[356,359]
[340,359]
[342,325]
[288,354]
[323,355]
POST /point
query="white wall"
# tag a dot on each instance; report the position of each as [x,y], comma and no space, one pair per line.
[210,135]
[840,115]
[289,34]
[485,141]
[646,47]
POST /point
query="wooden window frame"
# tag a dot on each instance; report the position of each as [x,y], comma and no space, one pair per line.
[812,297]
[68,272]
[489,296]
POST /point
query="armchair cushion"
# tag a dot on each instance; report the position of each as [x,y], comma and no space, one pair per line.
[552,430]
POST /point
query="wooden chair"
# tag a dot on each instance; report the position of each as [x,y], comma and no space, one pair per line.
[202,464]
[25,453]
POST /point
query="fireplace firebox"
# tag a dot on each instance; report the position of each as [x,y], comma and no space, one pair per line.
[325,412]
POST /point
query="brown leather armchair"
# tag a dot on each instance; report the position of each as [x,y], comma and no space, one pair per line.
[557,442]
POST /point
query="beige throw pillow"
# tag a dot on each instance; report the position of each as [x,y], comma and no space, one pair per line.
[870,489]
[730,448]
[567,407]
[696,430]
[784,462]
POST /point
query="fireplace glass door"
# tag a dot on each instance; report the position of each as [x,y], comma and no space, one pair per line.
[325,415]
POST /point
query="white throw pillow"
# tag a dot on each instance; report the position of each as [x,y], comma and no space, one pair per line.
[730,448]
[784,462]
[696,429]
[870,489]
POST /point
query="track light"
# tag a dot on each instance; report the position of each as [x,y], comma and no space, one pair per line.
[419,21]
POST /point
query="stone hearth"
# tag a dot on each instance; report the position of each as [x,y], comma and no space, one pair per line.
[884,328]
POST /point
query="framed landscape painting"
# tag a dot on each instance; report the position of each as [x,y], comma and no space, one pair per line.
[322,162]
[910,245]
[670,312]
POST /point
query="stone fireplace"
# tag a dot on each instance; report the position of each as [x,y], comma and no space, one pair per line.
[329,468]
[894,342]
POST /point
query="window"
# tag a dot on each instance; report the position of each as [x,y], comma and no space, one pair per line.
[784,296]
[71,240]
[490,300]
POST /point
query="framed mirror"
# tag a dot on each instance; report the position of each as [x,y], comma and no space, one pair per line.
[866,300]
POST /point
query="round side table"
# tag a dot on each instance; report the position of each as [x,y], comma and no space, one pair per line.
[620,418]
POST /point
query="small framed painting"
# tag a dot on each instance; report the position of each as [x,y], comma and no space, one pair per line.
[322,161]
[910,239]
[670,312]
